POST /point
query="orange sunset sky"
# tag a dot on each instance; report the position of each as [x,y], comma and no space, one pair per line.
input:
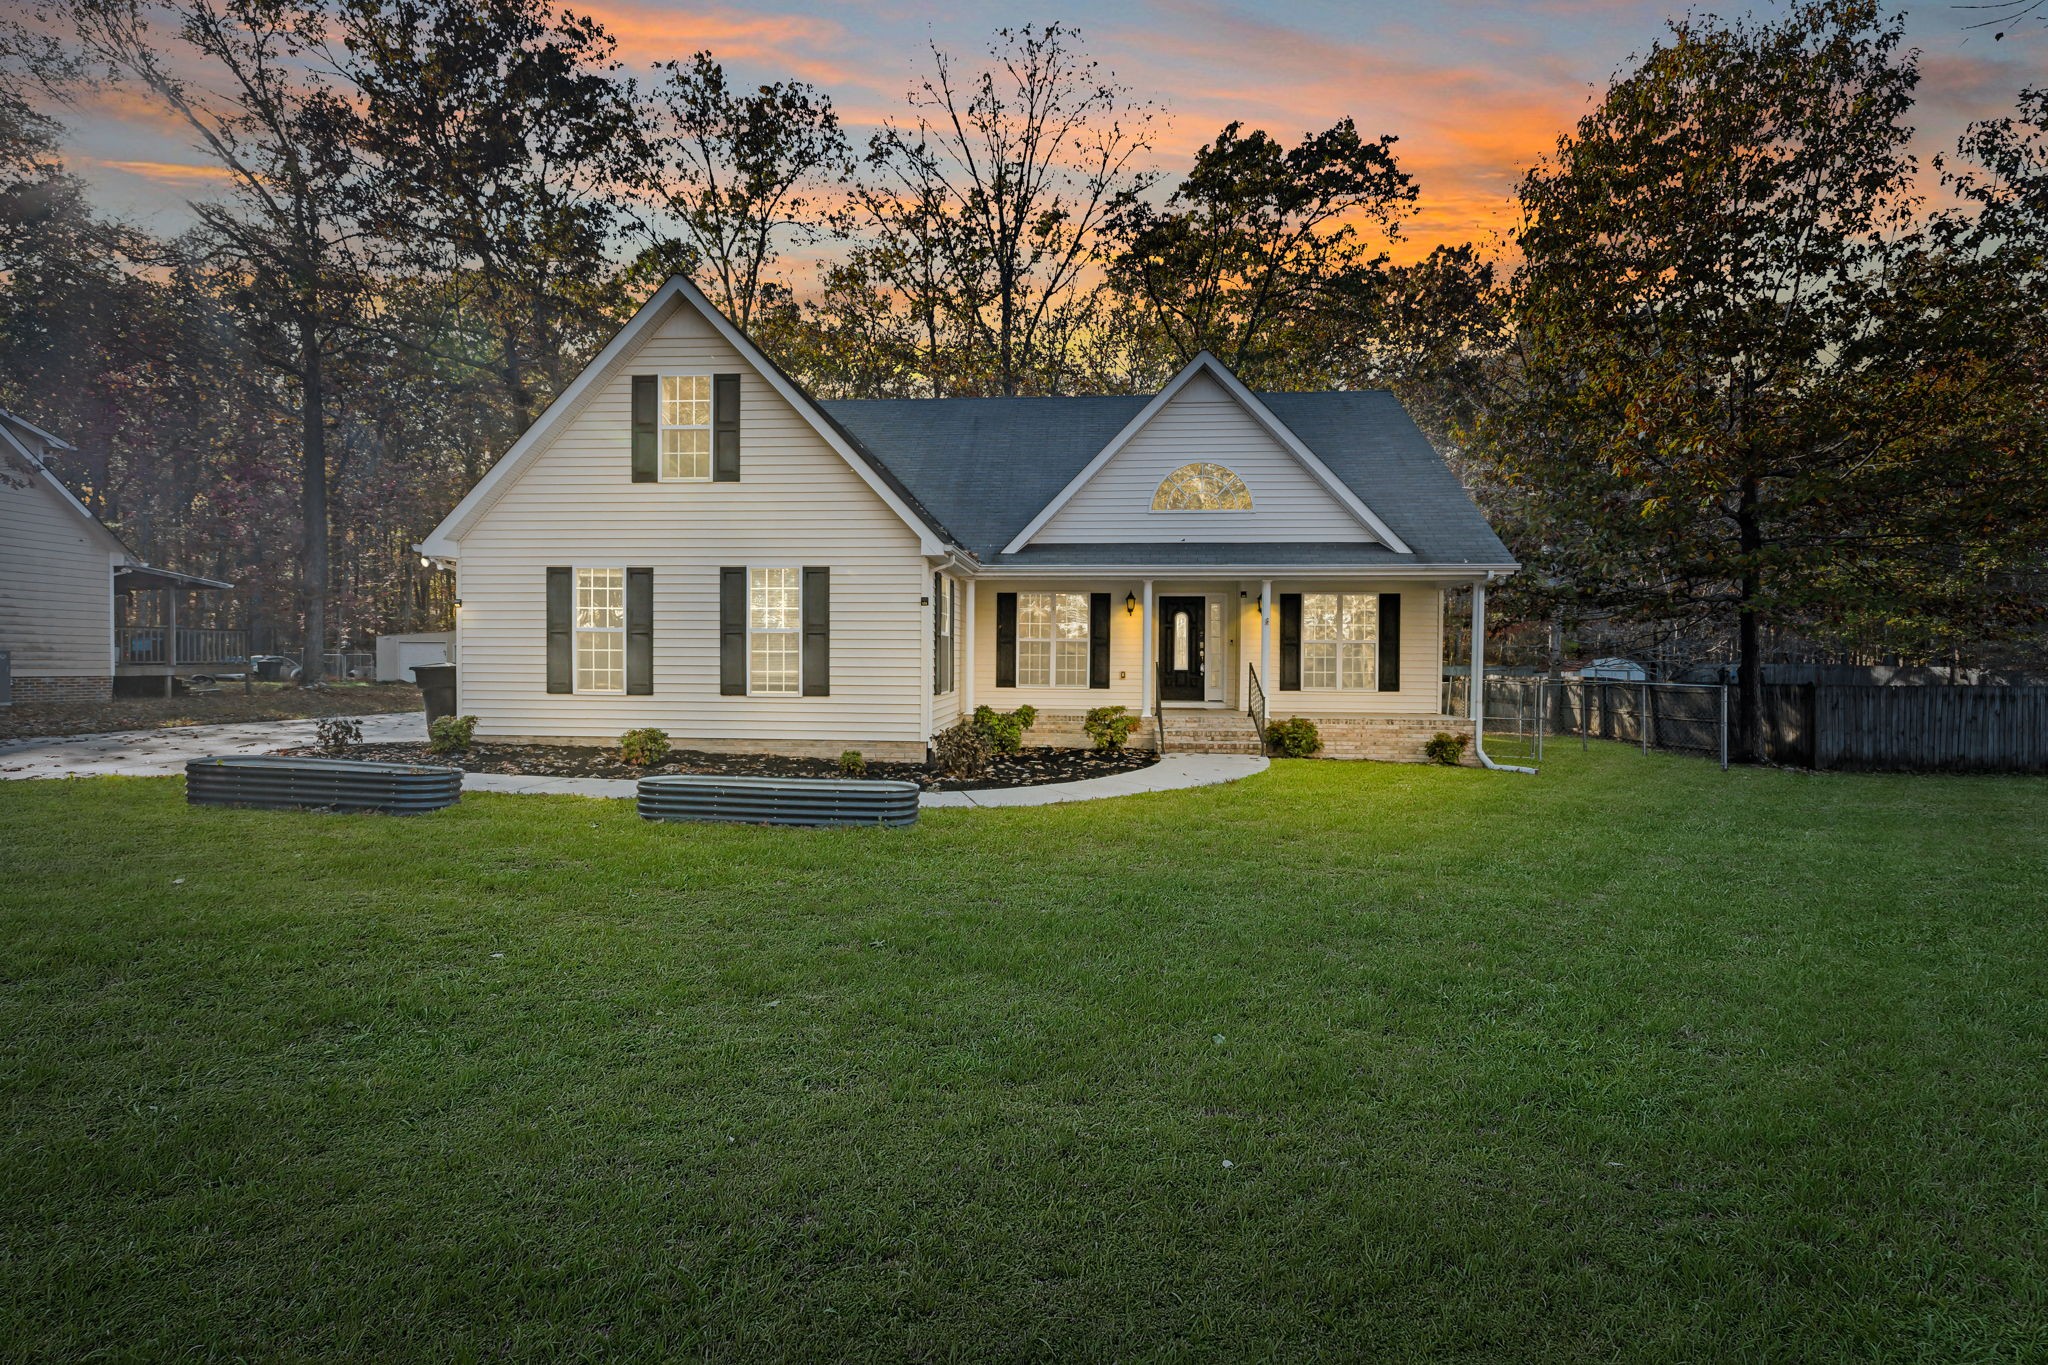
[1475,91]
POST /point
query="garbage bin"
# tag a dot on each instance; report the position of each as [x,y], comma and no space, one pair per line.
[272,667]
[437,685]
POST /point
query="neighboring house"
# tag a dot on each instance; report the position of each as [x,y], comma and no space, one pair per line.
[685,539]
[67,583]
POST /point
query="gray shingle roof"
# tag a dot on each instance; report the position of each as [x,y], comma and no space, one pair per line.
[985,467]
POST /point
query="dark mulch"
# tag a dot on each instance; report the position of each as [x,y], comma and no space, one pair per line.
[1032,768]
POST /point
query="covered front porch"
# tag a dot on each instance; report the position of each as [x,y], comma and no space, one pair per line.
[1205,660]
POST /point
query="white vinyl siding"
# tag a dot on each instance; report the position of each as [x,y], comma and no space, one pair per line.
[601,630]
[685,428]
[1201,424]
[56,584]
[798,505]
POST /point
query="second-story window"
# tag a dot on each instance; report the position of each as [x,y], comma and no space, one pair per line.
[685,426]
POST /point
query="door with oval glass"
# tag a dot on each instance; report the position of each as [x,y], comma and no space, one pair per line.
[1181,649]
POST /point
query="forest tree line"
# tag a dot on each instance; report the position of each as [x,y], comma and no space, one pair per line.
[1743,361]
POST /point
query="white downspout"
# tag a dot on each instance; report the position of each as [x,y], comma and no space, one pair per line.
[1475,690]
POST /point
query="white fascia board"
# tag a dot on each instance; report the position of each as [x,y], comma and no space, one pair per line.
[1449,573]
[445,540]
[1260,413]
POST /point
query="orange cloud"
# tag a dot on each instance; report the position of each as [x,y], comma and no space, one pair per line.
[166,172]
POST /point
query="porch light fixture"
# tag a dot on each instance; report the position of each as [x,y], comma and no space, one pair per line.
[1130,604]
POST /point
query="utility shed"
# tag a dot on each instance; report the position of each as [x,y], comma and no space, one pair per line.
[56,577]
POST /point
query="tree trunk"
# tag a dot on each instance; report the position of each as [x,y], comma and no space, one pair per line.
[1749,652]
[313,503]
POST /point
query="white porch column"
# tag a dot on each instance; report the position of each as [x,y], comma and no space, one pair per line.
[967,663]
[1475,688]
[1147,649]
[1266,679]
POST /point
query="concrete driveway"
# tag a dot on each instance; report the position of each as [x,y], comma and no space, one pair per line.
[155,753]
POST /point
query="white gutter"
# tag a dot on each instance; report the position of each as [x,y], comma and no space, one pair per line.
[1475,691]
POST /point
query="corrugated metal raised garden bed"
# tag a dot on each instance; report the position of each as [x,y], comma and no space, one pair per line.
[778,800]
[286,783]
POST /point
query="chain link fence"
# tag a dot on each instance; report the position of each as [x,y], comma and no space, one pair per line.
[1523,713]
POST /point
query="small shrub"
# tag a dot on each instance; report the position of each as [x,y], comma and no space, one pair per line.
[451,734]
[851,764]
[1446,748]
[1109,727]
[643,748]
[962,749]
[1004,730]
[338,736]
[1295,737]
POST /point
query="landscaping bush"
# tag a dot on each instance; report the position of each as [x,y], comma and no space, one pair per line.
[1295,737]
[338,736]
[451,734]
[643,748]
[1004,730]
[1446,748]
[1109,727]
[851,764]
[962,749]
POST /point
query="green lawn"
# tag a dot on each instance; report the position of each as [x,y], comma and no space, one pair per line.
[1635,1059]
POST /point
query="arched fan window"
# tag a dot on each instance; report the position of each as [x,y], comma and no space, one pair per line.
[1202,487]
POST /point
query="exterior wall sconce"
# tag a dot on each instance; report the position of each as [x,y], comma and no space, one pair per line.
[1130,604]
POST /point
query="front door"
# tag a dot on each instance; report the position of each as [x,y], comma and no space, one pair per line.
[1182,667]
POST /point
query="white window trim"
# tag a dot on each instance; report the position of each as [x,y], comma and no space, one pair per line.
[1371,644]
[710,427]
[576,632]
[753,691]
[1053,659]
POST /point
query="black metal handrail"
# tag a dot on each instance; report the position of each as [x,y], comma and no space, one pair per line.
[1256,702]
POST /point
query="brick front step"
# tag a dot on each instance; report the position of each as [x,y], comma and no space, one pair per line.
[1209,732]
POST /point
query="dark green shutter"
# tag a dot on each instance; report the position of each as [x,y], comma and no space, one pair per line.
[938,635]
[1098,639]
[725,428]
[732,632]
[1006,639]
[1290,642]
[952,600]
[561,636]
[1390,642]
[646,427]
[639,632]
[817,632]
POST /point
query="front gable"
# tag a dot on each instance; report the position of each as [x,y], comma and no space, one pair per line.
[1205,427]
[578,457]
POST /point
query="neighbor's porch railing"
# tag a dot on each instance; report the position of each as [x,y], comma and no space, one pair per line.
[165,646]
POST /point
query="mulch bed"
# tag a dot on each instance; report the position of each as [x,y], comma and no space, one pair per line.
[1032,768]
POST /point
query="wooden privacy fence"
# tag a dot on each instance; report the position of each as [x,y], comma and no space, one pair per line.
[1870,728]
[1852,727]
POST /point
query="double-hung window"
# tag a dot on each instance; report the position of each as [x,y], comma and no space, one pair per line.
[685,427]
[1052,639]
[942,634]
[600,630]
[1338,635]
[774,631]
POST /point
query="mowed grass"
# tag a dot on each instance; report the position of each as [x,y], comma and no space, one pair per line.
[1631,1060]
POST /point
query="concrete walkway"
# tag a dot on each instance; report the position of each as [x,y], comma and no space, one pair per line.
[160,753]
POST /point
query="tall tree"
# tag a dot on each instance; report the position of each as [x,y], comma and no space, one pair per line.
[1262,251]
[997,189]
[502,135]
[281,133]
[742,176]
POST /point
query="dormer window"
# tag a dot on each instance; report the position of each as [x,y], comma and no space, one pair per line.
[1202,487]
